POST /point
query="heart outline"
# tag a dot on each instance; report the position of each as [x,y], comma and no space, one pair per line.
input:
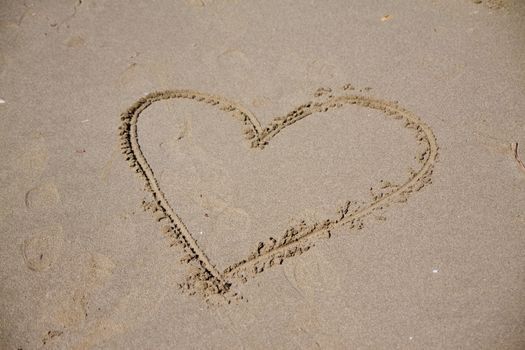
[208,279]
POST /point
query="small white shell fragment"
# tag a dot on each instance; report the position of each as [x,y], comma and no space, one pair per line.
[2,101]
[435,271]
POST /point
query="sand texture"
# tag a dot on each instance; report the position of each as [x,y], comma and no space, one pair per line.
[211,174]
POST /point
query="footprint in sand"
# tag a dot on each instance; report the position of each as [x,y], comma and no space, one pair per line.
[310,279]
[75,305]
[100,270]
[261,101]
[43,248]
[235,63]
[232,217]
[44,196]
[75,41]
[96,273]
[320,70]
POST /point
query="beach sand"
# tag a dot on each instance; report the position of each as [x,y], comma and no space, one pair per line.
[210,174]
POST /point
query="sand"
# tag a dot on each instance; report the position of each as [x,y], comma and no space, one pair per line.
[240,174]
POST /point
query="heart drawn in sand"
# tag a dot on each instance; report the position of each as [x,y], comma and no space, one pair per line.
[206,279]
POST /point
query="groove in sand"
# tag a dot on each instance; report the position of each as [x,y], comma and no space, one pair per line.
[207,279]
